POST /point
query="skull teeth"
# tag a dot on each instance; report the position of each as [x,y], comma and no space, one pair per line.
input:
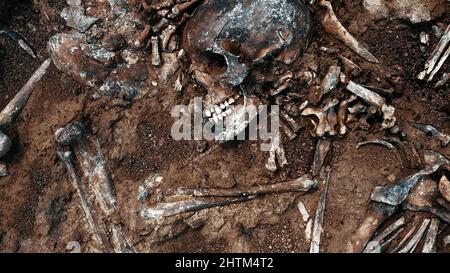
[218,112]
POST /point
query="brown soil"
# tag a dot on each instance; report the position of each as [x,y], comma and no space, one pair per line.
[40,210]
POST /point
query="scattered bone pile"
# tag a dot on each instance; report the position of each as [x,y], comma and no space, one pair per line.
[127,49]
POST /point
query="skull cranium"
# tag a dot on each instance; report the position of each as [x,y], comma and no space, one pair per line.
[229,40]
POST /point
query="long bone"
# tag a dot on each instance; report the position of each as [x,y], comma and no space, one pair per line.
[380,240]
[277,155]
[93,165]
[430,239]
[161,210]
[318,219]
[302,184]
[16,105]
[332,25]
[92,218]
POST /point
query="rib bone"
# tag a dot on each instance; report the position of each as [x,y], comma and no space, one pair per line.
[437,58]
[18,39]
[430,239]
[411,245]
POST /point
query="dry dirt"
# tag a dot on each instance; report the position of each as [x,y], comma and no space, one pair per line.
[40,210]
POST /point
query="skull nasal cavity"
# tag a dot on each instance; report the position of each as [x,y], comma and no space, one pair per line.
[215,63]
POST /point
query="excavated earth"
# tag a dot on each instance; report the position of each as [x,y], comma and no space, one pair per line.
[40,210]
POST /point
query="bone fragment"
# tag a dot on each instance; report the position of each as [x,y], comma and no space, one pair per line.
[445,79]
[303,211]
[180,8]
[389,230]
[403,241]
[15,106]
[376,215]
[430,239]
[150,183]
[73,247]
[342,114]
[412,244]
[323,126]
[376,100]
[17,38]
[318,219]
[156,54]
[291,135]
[277,155]
[119,241]
[332,25]
[430,130]
[291,121]
[322,148]
[5,144]
[95,170]
[444,188]
[166,35]
[331,80]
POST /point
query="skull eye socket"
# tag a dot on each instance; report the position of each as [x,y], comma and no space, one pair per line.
[232,46]
[215,63]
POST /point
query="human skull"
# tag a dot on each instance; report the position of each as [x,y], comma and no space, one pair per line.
[228,40]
